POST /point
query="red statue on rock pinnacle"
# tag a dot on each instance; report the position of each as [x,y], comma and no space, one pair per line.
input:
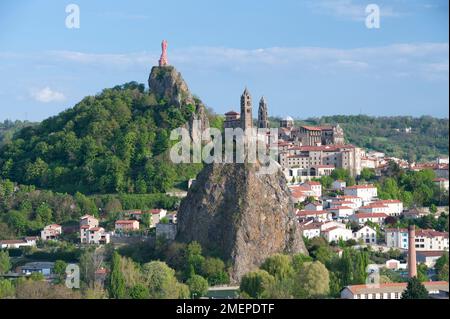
[163,59]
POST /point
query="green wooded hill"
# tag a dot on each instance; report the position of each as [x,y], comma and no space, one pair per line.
[114,142]
[9,128]
[427,140]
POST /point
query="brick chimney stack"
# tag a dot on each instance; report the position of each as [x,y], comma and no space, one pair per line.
[412,263]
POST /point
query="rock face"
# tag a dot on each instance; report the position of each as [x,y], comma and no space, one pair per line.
[165,82]
[240,215]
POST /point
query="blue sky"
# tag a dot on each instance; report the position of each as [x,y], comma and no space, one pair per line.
[308,58]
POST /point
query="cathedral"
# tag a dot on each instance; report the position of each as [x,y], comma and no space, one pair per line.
[244,119]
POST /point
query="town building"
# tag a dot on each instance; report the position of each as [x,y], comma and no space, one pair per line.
[317,215]
[126,225]
[91,233]
[338,184]
[388,290]
[51,232]
[425,239]
[442,183]
[367,234]
[157,214]
[310,229]
[314,206]
[323,157]
[394,206]
[336,233]
[355,199]
[18,243]
[429,257]
[320,135]
[287,122]
[341,211]
[362,218]
[366,192]
[45,268]
[167,231]
[232,120]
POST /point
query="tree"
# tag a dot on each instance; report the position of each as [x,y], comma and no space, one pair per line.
[44,214]
[415,290]
[198,286]
[214,271]
[60,269]
[443,273]
[116,279]
[256,283]
[346,267]
[139,291]
[362,261]
[160,280]
[7,289]
[312,280]
[422,270]
[278,266]
[5,262]
[194,259]
[37,276]
[367,174]
[298,260]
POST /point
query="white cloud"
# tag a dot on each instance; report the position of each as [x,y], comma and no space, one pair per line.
[47,95]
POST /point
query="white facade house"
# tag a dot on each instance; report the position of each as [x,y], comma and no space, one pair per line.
[341,211]
[18,243]
[317,215]
[347,203]
[316,187]
[429,240]
[367,234]
[89,220]
[366,192]
[91,233]
[311,230]
[429,258]
[395,206]
[337,233]
[392,290]
[373,208]
[51,232]
[157,214]
[396,238]
[441,182]
[354,199]
[426,239]
[338,185]
[330,224]
[362,218]
[314,206]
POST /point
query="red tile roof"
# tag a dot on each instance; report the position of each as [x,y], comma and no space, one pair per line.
[125,222]
[370,215]
[360,186]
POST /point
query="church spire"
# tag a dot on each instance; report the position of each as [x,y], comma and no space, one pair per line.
[263,119]
[246,110]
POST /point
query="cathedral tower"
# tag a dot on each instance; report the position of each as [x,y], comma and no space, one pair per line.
[263,120]
[246,110]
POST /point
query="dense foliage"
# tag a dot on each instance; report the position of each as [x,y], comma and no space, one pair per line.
[114,142]
[9,128]
[25,210]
